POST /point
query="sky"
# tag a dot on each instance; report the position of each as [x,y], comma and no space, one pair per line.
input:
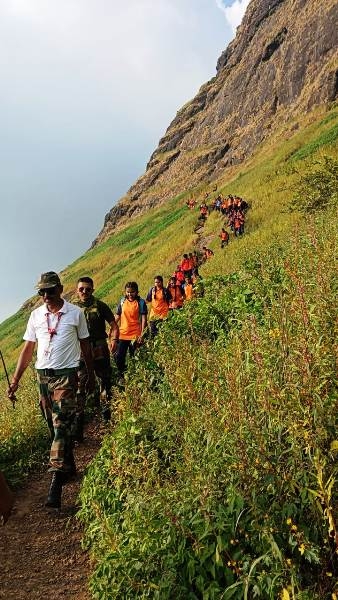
[88,87]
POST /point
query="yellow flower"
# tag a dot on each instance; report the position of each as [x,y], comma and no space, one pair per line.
[285,594]
[301,548]
[274,333]
[289,521]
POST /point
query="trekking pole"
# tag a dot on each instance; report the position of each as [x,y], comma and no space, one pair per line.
[13,397]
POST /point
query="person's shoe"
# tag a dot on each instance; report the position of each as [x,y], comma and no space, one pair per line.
[106,415]
[69,465]
[6,500]
[55,490]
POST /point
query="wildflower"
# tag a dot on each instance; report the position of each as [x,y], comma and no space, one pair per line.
[289,521]
[301,548]
[294,528]
[274,333]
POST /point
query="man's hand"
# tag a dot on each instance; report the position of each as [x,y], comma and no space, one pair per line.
[139,341]
[113,345]
[12,389]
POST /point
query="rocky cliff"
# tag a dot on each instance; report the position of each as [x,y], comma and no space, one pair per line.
[282,62]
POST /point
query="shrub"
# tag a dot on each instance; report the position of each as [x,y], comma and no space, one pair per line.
[219,479]
[318,188]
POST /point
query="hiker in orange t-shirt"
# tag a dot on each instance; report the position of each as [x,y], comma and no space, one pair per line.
[238,223]
[207,253]
[224,237]
[188,288]
[131,316]
[159,297]
[177,294]
[178,274]
[186,265]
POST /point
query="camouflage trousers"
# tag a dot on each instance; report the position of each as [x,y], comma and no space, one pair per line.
[58,406]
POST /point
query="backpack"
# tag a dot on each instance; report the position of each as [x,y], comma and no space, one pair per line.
[141,303]
[166,295]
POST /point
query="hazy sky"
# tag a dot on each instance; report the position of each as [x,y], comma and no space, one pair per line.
[88,87]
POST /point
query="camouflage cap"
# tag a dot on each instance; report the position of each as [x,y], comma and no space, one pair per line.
[48,280]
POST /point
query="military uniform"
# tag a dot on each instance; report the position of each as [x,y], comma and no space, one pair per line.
[97,313]
[60,332]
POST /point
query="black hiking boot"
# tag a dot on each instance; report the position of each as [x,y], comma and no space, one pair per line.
[70,465]
[79,429]
[106,415]
[55,490]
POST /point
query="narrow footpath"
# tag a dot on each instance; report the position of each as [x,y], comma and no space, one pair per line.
[40,551]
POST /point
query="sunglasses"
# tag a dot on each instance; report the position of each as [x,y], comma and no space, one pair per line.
[85,289]
[48,291]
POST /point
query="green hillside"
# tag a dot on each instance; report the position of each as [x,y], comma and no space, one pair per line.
[221,464]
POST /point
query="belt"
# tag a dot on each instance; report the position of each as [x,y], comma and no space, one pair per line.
[56,372]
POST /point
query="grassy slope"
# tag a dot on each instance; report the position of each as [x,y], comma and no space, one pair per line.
[153,243]
[219,480]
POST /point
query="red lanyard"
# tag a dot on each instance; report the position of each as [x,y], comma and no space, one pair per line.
[52,330]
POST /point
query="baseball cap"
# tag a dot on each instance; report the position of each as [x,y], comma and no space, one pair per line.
[48,280]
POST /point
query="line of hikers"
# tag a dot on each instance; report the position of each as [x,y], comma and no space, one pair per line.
[223,204]
[74,350]
[75,346]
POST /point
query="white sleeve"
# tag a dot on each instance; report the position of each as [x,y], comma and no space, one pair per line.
[30,335]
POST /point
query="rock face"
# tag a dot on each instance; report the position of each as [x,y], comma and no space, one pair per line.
[282,62]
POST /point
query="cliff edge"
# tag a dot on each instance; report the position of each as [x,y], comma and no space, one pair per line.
[282,62]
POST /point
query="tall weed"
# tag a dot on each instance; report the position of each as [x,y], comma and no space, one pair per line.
[220,478]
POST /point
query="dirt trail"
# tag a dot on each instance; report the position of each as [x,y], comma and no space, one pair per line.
[40,551]
[201,240]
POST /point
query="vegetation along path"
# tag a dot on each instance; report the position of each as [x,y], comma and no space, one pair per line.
[41,554]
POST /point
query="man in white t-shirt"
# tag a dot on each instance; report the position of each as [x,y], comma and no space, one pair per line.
[60,331]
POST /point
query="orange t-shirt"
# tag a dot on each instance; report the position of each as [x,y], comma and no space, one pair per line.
[159,307]
[189,291]
[177,297]
[130,326]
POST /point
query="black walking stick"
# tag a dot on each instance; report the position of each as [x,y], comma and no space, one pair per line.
[12,397]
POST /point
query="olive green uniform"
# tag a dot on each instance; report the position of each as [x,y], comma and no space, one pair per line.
[97,314]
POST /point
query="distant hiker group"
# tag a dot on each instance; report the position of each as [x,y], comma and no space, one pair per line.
[232,208]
